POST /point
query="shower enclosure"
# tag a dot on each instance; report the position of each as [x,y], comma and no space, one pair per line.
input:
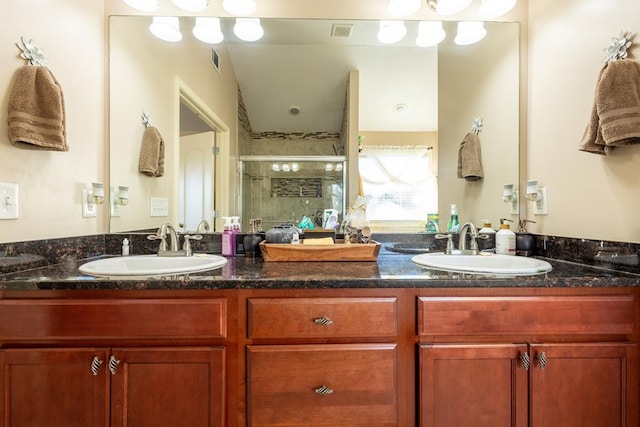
[282,189]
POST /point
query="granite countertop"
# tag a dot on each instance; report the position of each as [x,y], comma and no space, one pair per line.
[392,270]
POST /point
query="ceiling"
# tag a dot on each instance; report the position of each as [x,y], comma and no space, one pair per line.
[299,63]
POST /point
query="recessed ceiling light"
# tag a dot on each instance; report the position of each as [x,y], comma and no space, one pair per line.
[294,110]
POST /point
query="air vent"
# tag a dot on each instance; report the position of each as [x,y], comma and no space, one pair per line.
[342,30]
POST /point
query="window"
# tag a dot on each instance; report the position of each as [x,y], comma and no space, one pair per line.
[399,182]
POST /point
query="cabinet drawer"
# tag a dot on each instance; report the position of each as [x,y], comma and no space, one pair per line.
[60,319]
[563,315]
[322,385]
[322,317]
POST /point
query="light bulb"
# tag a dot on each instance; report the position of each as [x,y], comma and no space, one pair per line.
[191,5]
[391,31]
[144,5]
[207,30]
[430,33]
[470,32]
[248,29]
[239,7]
[166,28]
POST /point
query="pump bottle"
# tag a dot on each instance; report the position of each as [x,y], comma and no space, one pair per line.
[505,239]
[454,225]
[228,237]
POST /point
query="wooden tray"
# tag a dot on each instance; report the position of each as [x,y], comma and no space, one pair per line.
[337,252]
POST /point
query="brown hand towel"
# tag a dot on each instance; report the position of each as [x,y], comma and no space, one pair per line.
[36,110]
[615,116]
[151,162]
[470,158]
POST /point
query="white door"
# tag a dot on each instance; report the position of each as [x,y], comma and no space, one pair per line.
[196,179]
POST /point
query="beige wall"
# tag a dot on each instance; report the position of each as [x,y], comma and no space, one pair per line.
[72,35]
[590,196]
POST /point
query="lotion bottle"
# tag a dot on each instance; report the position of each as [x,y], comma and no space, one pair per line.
[228,238]
[505,239]
[125,247]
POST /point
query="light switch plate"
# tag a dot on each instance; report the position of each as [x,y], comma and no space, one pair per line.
[8,200]
[159,206]
[88,211]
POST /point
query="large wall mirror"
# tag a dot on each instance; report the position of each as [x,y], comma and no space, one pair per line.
[407,96]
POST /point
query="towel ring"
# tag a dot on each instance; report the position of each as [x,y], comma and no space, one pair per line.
[146,119]
[32,53]
[619,47]
[477,125]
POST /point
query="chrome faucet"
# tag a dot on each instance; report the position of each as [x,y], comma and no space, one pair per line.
[161,235]
[203,227]
[462,243]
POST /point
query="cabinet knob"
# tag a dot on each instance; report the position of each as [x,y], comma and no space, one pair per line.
[542,360]
[113,364]
[95,365]
[525,360]
[323,321]
[324,390]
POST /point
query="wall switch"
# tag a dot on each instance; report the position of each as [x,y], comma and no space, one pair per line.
[159,206]
[8,200]
[89,210]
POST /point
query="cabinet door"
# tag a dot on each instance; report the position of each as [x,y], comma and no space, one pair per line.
[170,387]
[54,387]
[322,385]
[584,385]
[472,385]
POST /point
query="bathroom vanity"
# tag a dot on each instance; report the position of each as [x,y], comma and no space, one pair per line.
[382,343]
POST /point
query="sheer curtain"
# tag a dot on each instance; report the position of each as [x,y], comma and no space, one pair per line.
[399,181]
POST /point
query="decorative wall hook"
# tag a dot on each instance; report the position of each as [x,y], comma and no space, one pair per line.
[32,53]
[619,47]
[146,119]
[477,125]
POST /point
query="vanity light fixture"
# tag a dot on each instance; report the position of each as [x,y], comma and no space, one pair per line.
[295,167]
[248,29]
[491,9]
[275,167]
[509,195]
[144,5]
[401,8]
[166,28]
[191,5]
[430,33]
[207,30]
[538,196]
[91,197]
[470,32]
[391,31]
[286,167]
[338,167]
[448,7]
[239,7]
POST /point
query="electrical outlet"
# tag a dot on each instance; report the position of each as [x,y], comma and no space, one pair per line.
[89,210]
[540,206]
[115,209]
[159,206]
[8,200]
[515,206]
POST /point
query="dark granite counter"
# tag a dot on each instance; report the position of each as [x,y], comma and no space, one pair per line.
[391,270]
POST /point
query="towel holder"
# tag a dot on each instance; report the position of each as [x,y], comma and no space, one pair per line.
[146,119]
[619,47]
[32,53]
[476,127]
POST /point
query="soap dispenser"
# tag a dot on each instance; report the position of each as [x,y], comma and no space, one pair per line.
[228,237]
[505,239]
[525,241]
[453,226]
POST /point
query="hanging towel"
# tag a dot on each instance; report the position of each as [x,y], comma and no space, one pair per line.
[151,162]
[615,117]
[470,158]
[36,110]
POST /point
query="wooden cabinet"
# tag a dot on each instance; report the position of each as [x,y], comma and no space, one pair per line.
[564,382]
[118,387]
[324,378]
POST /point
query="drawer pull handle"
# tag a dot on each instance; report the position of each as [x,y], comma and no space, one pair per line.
[113,364]
[95,365]
[323,390]
[323,321]
[542,360]
[525,360]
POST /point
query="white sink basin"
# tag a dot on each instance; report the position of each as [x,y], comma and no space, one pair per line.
[141,266]
[483,263]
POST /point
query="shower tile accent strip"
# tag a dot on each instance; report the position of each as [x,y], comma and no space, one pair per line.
[296,187]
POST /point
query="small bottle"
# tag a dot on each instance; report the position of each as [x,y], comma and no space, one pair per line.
[228,238]
[490,241]
[454,225]
[486,227]
[125,247]
[505,239]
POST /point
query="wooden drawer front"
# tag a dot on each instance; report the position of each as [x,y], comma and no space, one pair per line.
[322,385]
[577,315]
[29,320]
[322,317]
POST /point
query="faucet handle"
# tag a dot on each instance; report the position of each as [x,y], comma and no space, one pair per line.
[449,237]
[162,238]
[186,246]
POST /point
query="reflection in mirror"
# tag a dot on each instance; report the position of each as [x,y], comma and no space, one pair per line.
[299,64]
